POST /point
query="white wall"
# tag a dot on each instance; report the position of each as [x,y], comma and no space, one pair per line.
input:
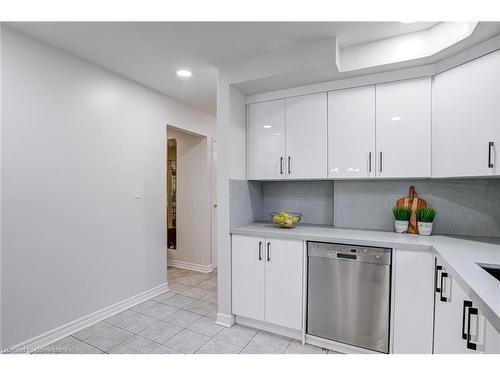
[75,140]
[231,164]
[193,201]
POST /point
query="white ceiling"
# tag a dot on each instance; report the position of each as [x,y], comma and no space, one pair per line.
[151,52]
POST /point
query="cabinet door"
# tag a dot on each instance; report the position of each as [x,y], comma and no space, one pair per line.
[449,315]
[492,339]
[306,136]
[248,276]
[404,128]
[351,133]
[284,283]
[266,140]
[466,119]
[413,302]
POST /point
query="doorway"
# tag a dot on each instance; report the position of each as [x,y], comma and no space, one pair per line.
[171,192]
[189,200]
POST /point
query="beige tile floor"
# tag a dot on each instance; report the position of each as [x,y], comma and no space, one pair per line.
[178,321]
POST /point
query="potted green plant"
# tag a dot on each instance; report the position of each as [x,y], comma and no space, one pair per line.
[425,220]
[401,218]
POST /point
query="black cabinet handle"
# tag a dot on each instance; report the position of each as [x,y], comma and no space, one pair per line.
[467,304]
[260,250]
[370,162]
[436,272]
[281,165]
[490,146]
[471,345]
[441,297]
[269,251]
[289,165]
[381,165]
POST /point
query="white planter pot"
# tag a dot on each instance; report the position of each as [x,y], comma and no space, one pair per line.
[401,226]
[425,229]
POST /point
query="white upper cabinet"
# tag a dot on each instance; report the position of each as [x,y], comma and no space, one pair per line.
[306,136]
[466,119]
[446,126]
[403,128]
[266,140]
[351,133]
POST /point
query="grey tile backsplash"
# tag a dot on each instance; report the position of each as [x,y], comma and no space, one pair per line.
[314,199]
[466,206]
[245,202]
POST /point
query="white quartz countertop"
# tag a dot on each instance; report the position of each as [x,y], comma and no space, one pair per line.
[460,255]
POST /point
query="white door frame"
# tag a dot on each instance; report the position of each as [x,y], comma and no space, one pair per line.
[213,202]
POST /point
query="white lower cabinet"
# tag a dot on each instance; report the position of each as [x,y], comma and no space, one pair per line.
[459,326]
[413,302]
[248,276]
[267,280]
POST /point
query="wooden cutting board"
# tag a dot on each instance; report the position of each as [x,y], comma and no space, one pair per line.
[413,202]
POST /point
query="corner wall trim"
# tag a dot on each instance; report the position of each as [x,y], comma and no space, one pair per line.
[67,329]
[225,320]
[190,266]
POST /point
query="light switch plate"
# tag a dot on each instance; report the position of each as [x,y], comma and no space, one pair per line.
[137,192]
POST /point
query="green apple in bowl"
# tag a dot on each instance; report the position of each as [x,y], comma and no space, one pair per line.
[285,219]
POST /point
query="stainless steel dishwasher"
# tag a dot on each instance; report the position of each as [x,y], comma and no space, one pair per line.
[348,294]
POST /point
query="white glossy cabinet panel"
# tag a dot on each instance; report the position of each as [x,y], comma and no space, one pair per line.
[491,339]
[403,128]
[306,136]
[266,140]
[248,276]
[413,302]
[351,133]
[267,285]
[456,316]
[284,283]
[449,315]
[466,119]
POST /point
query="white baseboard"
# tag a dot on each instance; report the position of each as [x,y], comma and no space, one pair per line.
[190,266]
[225,320]
[269,327]
[61,332]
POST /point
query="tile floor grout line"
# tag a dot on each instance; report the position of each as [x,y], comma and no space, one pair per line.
[248,343]
[110,349]
[89,344]
[284,351]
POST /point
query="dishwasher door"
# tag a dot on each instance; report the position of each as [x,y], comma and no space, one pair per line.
[349,294]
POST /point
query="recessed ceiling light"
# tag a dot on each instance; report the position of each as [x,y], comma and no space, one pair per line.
[267,126]
[184,73]
[396,118]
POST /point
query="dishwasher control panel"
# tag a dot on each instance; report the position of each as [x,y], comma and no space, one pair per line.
[369,254]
